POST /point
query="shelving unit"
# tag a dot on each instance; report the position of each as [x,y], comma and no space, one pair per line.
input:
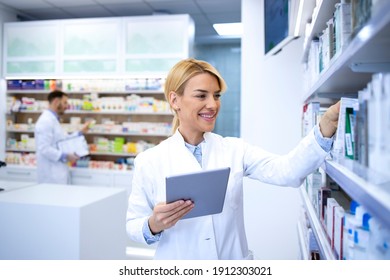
[368,49]
[19,119]
[349,71]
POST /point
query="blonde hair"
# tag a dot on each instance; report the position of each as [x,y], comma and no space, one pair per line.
[183,71]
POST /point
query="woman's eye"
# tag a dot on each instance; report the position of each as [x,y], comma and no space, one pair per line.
[217,95]
[201,96]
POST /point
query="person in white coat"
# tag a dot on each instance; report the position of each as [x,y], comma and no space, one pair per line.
[193,89]
[52,164]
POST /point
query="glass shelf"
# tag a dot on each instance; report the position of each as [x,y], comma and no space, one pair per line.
[370,189]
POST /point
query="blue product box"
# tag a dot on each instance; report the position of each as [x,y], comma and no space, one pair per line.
[28,84]
[14,84]
[39,84]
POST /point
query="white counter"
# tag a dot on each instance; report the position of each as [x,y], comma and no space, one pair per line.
[63,222]
[8,185]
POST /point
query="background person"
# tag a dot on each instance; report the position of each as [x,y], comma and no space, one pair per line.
[52,164]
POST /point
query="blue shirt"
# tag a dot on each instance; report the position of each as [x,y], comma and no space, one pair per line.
[324,142]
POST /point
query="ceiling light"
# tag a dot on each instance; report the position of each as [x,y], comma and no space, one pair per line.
[228,29]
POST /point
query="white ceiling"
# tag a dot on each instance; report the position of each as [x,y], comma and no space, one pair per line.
[204,12]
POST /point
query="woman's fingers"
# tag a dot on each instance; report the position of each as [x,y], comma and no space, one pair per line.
[166,215]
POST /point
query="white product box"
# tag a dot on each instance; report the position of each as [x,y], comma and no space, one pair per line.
[339,213]
[331,204]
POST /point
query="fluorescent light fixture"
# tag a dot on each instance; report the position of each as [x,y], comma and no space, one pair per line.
[228,29]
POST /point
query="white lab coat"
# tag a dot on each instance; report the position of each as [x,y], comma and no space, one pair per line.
[48,132]
[220,236]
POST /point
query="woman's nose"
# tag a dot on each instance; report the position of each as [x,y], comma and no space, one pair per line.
[211,102]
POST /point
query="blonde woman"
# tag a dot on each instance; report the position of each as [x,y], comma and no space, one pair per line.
[193,89]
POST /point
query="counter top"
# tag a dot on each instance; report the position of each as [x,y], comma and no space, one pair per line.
[58,195]
[8,185]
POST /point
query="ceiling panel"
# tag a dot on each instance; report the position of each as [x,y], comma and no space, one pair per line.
[176,7]
[200,19]
[47,13]
[129,9]
[88,11]
[25,4]
[224,17]
[220,6]
[70,3]
[105,2]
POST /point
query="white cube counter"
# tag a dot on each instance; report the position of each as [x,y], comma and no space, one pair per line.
[8,185]
[63,222]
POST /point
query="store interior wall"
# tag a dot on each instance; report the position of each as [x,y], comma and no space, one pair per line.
[270,118]
[226,57]
[5,16]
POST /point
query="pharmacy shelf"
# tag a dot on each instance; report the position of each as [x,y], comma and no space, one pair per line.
[321,15]
[113,154]
[368,188]
[79,112]
[129,134]
[75,112]
[102,133]
[20,150]
[366,53]
[20,131]
[318,230]
[127,92]
[302,242]
[91,153]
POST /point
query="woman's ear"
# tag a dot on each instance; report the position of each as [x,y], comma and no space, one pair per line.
[173,100]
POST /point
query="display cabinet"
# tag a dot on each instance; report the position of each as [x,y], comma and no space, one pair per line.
[97,47]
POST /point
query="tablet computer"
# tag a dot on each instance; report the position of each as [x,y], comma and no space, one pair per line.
[207,189]
[74,145]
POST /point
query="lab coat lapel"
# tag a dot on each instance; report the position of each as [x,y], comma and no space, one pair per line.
[183,161]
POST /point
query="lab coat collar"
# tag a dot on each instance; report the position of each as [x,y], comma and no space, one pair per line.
[54,114]
[178,137]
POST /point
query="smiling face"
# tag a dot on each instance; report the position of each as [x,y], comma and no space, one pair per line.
[198,107]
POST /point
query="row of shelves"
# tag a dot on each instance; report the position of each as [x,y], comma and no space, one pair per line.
[45,92]
[101,133]
[361,184]
[91,153]
[349,71]
[145,125]
[352,68]
[124,113]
